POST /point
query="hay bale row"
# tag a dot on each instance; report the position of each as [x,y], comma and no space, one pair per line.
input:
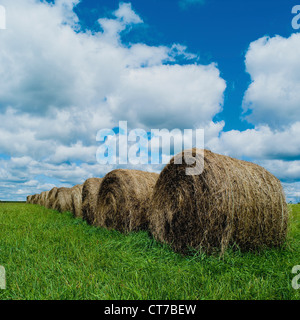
[231,203]
[60,199]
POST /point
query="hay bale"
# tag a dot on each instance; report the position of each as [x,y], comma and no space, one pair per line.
[52,198]
[29,199]
[76,198]
[39,201]
[42,201]
[232,202]
[123,200]
[63,200]
[45,199]
[90,192]
[35,199]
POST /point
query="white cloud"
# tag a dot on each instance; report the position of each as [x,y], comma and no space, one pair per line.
[288,171]
[260,143]
[274,94]
[76,151]
[171,96]
[127,15]
[48,66]
[60,85]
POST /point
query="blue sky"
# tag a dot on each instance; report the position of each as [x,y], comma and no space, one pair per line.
[230,67]
[218,31]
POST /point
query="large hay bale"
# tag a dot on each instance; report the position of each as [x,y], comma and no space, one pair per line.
[39,199]
[63,200]
[42,201]
[46,199]
[76,198]
[29,199]
[123,199]
[52,198]
[35,199]
[90,192]
[232,202]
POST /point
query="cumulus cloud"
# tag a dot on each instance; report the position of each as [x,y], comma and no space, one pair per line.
[260,143]
[127,15]
[60,85]
[274,94]
[172,96]
[288,171]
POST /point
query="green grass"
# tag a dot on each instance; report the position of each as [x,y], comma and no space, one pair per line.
[48,255]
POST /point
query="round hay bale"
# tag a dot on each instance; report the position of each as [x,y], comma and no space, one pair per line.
[29,199]
[76,197]
[232,202]
[123,200]
[42,201]
[45,199]
[63,200]
[90,192]
[52,198]
[39,200]
[35,198]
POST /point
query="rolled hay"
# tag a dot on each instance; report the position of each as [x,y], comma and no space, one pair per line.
[76,198]
[39,199]
[45,198]
[123,200]
[42,201]
[63,201]
[90,192]
[29,199]
[231,203]
[52,198]
[35,199]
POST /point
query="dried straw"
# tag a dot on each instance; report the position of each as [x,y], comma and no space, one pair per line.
[232,202]
[123,200]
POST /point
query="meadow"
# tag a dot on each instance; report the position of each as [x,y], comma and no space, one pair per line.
[50,255]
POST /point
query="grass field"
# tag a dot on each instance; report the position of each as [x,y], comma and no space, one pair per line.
[48,255]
